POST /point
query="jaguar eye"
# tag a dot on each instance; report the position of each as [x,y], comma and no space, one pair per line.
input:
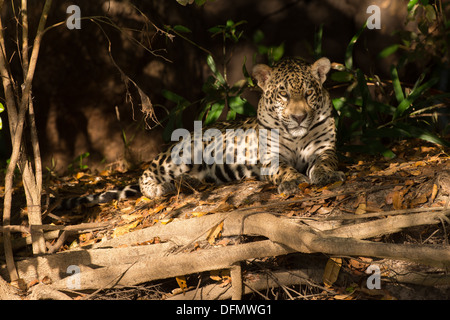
[283,93]
[309,92]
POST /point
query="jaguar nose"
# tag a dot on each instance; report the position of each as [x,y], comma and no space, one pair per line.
[298,118]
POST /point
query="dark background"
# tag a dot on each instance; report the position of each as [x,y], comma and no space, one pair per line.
[77,86]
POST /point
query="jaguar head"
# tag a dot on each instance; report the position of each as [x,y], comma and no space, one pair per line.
[292,92]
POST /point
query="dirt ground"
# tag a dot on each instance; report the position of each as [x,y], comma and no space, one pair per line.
[417,180]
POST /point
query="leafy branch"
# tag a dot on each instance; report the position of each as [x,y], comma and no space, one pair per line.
[368,124]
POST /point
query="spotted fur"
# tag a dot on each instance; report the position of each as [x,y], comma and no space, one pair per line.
[294,102]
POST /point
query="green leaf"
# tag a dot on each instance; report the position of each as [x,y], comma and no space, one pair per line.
[419,81]
[383,108]
[429,102]
[240,22]
[362,85]
[230,23]
[388,154]
[338,103]
[241,106]
[212,65]
[275,53]
[349,50]
[430,13]
[185,2]
[214,112]
[411,4]
[388,51]
[246,73]
[423,134]
[415,93]
[367,109]
[396,84]
[342,76]
[278,52]
[169,95]
[181,28]
[262,50]
[231,115]
[216,29]
[210,87]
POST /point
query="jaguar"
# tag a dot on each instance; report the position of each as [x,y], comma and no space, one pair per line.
[294,113]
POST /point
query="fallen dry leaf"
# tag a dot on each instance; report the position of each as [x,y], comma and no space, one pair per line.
[372,206]
[434,192]
[124,229]
[331,271]
[33,283]
[420,164]
[219,275]
[397,200]
[130,217]
[105,173]
[223,242]
[331,186]
[79,175]
[199,213]
[361,209]
[359,263]
[182,283]
[421,199]
[214,233]
[159,208]
[314,208]
[324,210]
[166,221]
[344,296]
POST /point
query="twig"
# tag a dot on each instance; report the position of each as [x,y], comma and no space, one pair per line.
[78,227]
[259,282]
[59,243]
[384,213]
[116,280]
[271,276]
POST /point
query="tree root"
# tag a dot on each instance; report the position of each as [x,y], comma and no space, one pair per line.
[108,266]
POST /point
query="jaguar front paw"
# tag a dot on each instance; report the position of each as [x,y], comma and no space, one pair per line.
[324,177]
[290,187]
[153,190]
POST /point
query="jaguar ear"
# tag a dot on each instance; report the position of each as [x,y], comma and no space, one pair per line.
[262,74]
[320,69]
